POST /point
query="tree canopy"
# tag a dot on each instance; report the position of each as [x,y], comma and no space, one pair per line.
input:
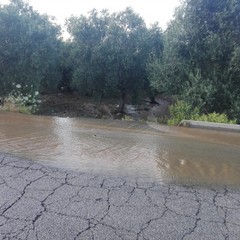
[28,47]
[201,56]
[197,58]
[110,53]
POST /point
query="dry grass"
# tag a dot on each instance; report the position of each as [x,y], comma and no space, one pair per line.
[12,107]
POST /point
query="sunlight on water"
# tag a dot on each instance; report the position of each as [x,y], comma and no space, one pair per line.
[124,148]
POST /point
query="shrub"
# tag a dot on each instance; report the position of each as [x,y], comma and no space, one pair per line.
[180,111]
[184,111]
[22,99]
[216,117]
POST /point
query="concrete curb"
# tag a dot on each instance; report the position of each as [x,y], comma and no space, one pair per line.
[210,125]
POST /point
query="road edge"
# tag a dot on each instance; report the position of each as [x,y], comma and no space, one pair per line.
[210,125]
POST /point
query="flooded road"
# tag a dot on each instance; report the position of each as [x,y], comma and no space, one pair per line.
[170,154]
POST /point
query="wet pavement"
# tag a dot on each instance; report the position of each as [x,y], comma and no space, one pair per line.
[124,148]
[40,202]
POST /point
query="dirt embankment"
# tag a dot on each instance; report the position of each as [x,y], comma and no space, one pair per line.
[73,105]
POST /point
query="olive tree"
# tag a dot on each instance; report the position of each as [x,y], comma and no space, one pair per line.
[28,47]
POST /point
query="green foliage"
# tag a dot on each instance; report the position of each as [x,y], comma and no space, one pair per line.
[182,111]
[201,56]
[28,47]
[87,53]
[234,111]
[199,91]
[22,99]
[156,77]
[110,54]
[196,59]
[216,117]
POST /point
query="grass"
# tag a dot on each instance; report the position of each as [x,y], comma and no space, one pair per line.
[12,107]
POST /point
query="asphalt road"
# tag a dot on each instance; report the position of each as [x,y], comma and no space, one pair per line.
[39,202]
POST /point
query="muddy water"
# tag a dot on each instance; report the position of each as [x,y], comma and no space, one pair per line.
[124,148]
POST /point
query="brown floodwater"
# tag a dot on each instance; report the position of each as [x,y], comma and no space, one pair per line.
[124,148]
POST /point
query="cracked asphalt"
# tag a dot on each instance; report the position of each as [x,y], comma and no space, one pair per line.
[40,202]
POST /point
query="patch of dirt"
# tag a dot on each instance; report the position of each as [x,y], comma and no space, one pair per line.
[74,105]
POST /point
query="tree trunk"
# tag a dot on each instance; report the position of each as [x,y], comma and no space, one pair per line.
[122,102]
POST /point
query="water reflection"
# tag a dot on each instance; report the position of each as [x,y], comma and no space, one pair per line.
[190,161]
[124,148]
